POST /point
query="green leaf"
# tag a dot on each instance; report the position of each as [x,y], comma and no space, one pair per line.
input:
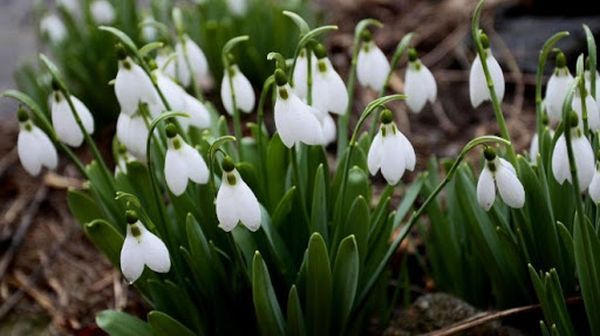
[124,38]
[268,314]
[587,260]
[319,213]
[283,208]
[106,238]
[295,318]
[408,200]
[83,207]
[117,323]
[163,324]
[170,297]
[345,281]
[277,166]
[318,287]
[357,224]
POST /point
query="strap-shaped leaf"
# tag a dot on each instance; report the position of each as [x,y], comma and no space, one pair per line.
[295,318]
[117,323]
[83,207]
[268,313]
[106,238]
[319,213]
[587,259]
[346,272]
[163,324]
[318,287]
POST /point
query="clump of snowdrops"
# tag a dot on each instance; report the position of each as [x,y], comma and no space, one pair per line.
[256,228]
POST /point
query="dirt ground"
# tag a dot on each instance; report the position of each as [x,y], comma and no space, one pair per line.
[53,281]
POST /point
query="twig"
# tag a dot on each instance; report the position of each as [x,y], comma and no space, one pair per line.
[483,318]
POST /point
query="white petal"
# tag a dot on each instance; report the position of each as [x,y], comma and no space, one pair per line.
[408,151]
[176,172]
[560,161]
[486,190]
[415,88]
[329,91]
[248,207]
[27,148]
[226,94]
[534,149]
[199,115]
[133,133]
[301,75]
[244,93]
[372,67]
[133,86]
[174,94]
[155,252]
[197,170]
[166,64]
[375,152]
[295,121]
[509,187]
[132,257]
[393,162]
[102,11]
[556,90]
[227,210]
[64,123]
[497,76]
[595,187]
[84,114]
[54,28]
[197,62]
[507,165]
[593,113]
[584,160]
[45,148]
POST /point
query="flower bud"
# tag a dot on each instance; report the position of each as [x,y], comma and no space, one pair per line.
[412,55]
[386,116]
[320,51]
[171,131]
[280,77]
[22,115]
[131,216]
[561,60]
[489,153]
[366,36]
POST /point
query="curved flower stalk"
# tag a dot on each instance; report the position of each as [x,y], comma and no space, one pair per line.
[242,92]
[582,152]
[556,89]
[390,151]
[295,121]
[372,66]
[420,86]
[133,86]
[142,248]
[34,147]
[191,62]
[64,122]
[132,132]
[478,88]
[236,203]
[102,11]
[182,163]
[53,28]
[499,173]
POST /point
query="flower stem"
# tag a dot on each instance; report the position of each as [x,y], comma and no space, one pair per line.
[300,186]
[262,150]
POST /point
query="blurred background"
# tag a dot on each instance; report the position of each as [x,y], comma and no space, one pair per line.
[52,280]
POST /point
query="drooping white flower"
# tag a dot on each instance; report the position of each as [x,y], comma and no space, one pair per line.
[329,92]
[594,190]
[295,121]
[133,86]
[34,147]
[71,6]
[190,60]
[588,85]
[390,151]
[477,83]
[199,116]
[327,125]
[593,114]
[238,7]
[300,75]
[235,201]
[244,93]
[372,66]
[556,89]
[102,11]
[64,122]
[52,27]
[582,152]
[534,148]
[182,163]
[149,30]
[132,132]
[173,93]
[499,173]
[420,85]
[166,64]
[142,248]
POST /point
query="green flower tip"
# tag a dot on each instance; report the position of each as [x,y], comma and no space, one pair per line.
[22,115]
[573,119]
[485,42]
[280,77]
[227,164]
[55,85]
[545,119]
[320,51]
[366,36]
[561,60]
[171,131]
[386,116]
[121,53]
[131,216]
[489,153]
[412,54]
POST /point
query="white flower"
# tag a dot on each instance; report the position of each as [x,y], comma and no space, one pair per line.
[390,151]
[238,7]
[199,116]
[584,159]
[588,85]
[592,110]
[166,64]
[300,75]
[102,11]
[477,84]
[534,148]
[142,248]
[133,86]
[182,163]
[594,190]
[54,28]
[498,172]
[329,92]
[34,147]
[64,122]
[372,66]
[236,202]
[133,133]
[327,125]
[420,85]
[198,65]
[149,31]
[295,121]
[556,89]
[173,93]
[244,94]
[72,6]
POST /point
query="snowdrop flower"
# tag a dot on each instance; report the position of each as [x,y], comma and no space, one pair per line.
[149,31]
[390,151]
[295,121]
[300,75]
[594,190]
[133,133]
[372,66]
[591,107]
[133,86]
[535,144]
[498,172]
[64,122]
[166,64]
[420,85]
[122,159]
[235,201]
[238,7]
[52,27]
[327,125]
[582,152]
[102,11]
[477,83]
[329,92]
[191,61]
[34,147]
[142,248]
[242,91]
[199,115]
[556,90]
[182,163]
[71,6]
[588,84]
